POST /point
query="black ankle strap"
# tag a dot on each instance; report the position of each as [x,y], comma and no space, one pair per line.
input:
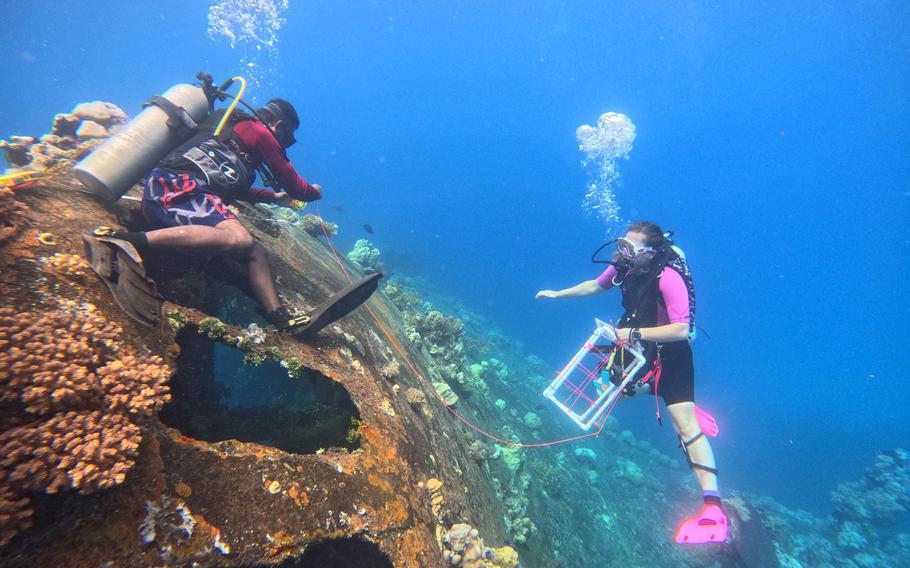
[703,467]
[694,439]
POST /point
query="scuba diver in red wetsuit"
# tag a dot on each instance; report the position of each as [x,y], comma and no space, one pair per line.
[187,194]
[659,301]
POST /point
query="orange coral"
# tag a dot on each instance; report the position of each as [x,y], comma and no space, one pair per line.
[75,391]
[71,265]
[73,450]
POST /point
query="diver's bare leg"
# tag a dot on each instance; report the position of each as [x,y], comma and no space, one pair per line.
[700,452]
[229,237]
[261,279]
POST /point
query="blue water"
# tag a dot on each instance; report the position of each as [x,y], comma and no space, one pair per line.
[773,140]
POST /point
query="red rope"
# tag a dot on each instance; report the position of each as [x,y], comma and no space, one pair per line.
[452,411]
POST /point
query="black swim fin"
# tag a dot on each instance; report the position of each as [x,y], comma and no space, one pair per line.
[118,264]
[339,305]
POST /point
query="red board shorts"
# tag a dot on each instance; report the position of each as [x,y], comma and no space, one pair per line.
[173,199]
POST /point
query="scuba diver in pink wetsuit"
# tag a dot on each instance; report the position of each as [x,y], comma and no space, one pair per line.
[659,302]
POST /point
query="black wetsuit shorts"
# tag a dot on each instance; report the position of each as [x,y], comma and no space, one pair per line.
[677,378]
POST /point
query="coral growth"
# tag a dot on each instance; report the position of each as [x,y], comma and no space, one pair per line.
[478,451]
[442,336]
[445,392]
[63,264]
[404,298]
[390,370]
[72,136]
[531,420]
[864,510]
[366,256]
[79,392]
[465,548]
[313,224]
[414,396]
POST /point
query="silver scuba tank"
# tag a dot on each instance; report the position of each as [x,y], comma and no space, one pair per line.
[121,160]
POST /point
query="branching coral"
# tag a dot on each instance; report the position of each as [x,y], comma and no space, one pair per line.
[74,392]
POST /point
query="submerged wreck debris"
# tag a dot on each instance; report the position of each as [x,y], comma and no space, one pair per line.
[108,458]
[85,458]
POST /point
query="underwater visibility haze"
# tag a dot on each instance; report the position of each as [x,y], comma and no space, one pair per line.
[476,155]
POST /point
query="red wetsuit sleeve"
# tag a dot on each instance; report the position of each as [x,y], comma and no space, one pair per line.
[256,195]
[259,141]
[676,296]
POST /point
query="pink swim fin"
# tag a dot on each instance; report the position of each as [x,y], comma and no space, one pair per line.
[706,422]
[709,525]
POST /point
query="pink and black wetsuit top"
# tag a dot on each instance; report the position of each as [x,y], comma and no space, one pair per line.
[676,306]
[651,304]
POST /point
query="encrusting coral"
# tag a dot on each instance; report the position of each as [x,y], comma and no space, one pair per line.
[80,392]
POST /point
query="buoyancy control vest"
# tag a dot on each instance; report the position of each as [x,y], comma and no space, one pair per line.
[641,296]
[641,300]
[221,161]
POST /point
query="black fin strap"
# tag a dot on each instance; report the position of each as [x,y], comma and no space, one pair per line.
[703,467]
[177,117]
[694,439]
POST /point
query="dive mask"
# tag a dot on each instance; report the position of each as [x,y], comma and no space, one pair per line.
[629,248]
[285,135]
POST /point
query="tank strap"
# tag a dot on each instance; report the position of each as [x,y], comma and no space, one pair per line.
[177,117]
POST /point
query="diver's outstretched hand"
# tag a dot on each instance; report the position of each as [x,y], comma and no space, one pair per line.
[543,294]
[282,199]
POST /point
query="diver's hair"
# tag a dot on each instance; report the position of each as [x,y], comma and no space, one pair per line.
[279,109]
[654,235]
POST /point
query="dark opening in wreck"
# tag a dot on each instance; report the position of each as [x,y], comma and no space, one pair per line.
[215,397]
[353,552]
